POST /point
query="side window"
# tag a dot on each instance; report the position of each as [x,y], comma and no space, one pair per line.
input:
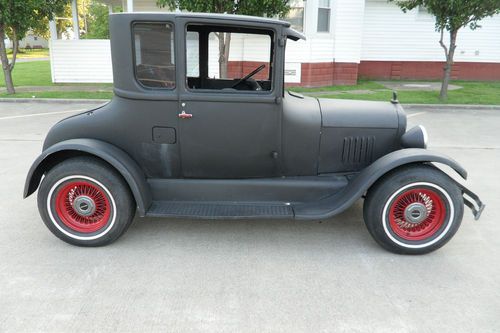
[219,58]
[154,54]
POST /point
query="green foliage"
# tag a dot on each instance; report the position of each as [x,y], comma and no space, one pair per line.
[18,17]
[97,21]
[452,15]
[243,7]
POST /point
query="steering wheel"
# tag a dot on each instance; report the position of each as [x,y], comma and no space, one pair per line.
[249,75]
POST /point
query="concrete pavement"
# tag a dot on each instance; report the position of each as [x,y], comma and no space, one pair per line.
[248,276]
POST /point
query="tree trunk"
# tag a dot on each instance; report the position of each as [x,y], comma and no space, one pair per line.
[224,44]
[449,52]
[6,66]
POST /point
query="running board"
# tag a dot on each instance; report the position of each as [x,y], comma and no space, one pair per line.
[231,211]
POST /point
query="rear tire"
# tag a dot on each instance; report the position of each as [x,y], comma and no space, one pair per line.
[413,210]
[85,202]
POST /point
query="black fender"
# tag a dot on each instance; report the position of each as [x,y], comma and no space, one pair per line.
[113,155]
[360,183]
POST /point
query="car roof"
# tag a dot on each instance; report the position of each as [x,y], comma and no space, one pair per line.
[232,17]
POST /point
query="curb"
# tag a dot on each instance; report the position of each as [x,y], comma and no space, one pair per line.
[52,100]
[406,106]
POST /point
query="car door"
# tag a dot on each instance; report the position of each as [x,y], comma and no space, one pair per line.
[226,132]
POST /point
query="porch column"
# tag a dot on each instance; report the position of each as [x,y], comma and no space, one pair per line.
[53,30]
[130,6]
[74,15]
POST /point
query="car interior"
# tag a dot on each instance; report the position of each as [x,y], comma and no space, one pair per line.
[246,68]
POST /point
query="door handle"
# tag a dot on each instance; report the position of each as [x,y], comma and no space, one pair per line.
[184,115]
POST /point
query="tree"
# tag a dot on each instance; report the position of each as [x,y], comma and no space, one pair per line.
[243,7]
[452,15]
[16,19]
[97,21]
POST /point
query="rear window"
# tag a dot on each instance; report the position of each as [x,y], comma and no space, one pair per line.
[154,54]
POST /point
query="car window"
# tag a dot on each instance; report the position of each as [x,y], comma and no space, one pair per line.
[220,59]
[154,54]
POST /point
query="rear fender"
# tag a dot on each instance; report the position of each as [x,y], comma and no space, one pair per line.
[113,155]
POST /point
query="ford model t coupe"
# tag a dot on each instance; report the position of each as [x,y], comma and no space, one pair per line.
[184,137]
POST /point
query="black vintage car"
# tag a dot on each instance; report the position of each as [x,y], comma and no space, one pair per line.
[183,137]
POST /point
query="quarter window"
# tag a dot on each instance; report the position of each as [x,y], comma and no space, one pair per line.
[154,54]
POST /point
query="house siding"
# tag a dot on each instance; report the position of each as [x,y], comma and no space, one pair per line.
[84,60]
[391,35]
[367,38]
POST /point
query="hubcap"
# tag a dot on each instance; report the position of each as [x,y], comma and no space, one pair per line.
[417,214]
[83,206]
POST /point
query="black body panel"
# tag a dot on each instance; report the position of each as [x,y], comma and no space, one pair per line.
[232,153]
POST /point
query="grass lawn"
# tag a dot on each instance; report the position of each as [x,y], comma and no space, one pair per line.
[36,73]
[487,93]
[362,85]
[62,94]
[28,54]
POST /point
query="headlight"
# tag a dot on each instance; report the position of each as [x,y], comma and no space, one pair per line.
[415,138]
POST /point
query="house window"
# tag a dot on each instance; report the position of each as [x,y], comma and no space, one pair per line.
[154,54]
[324,16]
[295,16]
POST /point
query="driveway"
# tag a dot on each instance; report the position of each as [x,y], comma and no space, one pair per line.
[248,276]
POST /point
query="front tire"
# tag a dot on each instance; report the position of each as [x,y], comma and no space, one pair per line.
[414,210]
[85,202]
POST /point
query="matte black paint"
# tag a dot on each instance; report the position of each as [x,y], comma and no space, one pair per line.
[277,152]
[117,158]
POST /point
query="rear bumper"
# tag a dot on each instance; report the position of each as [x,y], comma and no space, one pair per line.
[472,201]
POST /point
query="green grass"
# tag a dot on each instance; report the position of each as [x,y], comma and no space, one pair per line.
[62,94]
[28,54]
[486,93]
[36,73]
[362,85]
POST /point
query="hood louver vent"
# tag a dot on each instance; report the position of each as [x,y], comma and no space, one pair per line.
[358,149]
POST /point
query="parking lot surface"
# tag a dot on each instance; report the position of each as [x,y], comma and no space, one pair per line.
[248,276]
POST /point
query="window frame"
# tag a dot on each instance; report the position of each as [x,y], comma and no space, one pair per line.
[271,33]
[134,58]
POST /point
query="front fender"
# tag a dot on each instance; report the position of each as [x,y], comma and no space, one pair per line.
[358,185]
[113,155]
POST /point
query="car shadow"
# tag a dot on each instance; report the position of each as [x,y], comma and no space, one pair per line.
[344,232]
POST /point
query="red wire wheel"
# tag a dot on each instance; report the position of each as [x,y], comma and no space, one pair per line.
[83,206]
[417,214]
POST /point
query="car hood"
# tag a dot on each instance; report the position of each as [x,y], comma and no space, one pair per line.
[366,114]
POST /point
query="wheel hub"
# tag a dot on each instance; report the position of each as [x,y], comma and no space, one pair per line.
[84,205]
[415,213]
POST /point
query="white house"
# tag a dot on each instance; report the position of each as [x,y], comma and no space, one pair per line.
[346,39]
[30,41]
